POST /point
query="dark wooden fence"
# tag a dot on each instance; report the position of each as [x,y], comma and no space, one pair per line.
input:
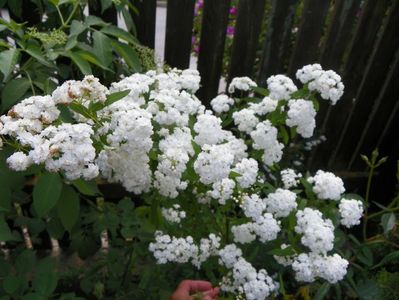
[357,38]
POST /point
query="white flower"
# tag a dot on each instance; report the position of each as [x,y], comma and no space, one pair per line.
[318,234]
[245,119]
[248,169]
[264,136]
[19,161]
[241,83]
[209,130]
[327,185]
[229,255]
[309,72]
[222,190]
[266,228]
[281,203]
[289,178]
[243,233]
[329,85]
[222,103]
[302,114]
[265,106]
[173,214]
[351,211]
[253,206]
[280,87]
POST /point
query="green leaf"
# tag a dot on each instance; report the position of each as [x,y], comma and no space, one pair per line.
[105,4]
[8,60]
[322,291]
[388,222]
[88,188]
[46,193]
[94,21]
[233,175]
[68,207]
[13,91]
[128,54]
[80,109]
[45,280]
[92,58]
[77,27]
[119,33]
[391,256]
[5,198]
[112,98]
[81,63]
[34,51]
[5,232]
[101,48]
[282,252]
[283,133]
[261,91]
[11,284]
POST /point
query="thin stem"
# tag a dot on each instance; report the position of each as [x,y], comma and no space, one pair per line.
[367,201]
[61,17]
[75,7]
[31,83]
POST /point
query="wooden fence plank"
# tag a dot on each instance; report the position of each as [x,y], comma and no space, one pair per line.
[145,21]
[213,35]
[179,27]
[339,33]
[309,34]
[356,61]
[338,37]
[246,37]
[380,117]
[373,81]
[278,38]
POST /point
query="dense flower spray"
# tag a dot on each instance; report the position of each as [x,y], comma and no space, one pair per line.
[218,190]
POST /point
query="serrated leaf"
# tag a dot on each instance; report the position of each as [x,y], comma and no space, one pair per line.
[68,207]
[388,222]
[117,32]
[91,58]
[8,60]
[128,54]
[101,48]
[13,91]
[46,193]
[112,98]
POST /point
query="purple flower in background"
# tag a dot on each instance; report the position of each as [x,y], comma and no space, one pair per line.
[230,30]
[196,49]
[233,10]
[200,3]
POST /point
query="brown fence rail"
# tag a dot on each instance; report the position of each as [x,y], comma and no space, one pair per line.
[357,38]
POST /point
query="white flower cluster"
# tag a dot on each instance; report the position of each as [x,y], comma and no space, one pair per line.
[280,87]
[289,178]
[351,211]
[327,83]
[173,214]
[182,250]
[243,277]
[302,114]
[265,138]
[309,266]
[160,138]
[327,185]
[242,84]
[222,103]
